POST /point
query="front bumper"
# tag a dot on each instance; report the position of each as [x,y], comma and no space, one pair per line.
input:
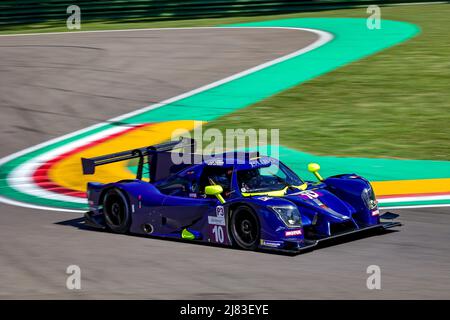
[308,245]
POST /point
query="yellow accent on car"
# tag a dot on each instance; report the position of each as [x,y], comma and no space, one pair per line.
[186,234]
[275,193]
[314,168]
[215,190]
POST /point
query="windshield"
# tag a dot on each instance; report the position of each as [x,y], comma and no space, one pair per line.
[271,178]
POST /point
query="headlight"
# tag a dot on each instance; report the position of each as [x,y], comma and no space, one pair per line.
[368,196]
[289,215]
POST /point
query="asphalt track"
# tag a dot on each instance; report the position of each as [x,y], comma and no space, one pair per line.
[54,84]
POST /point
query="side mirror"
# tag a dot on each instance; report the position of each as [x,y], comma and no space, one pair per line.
[314,168]
[215,190]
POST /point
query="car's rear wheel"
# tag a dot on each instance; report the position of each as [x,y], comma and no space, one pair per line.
[245,228]
[116,211]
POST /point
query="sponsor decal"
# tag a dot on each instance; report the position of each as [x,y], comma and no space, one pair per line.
[217,227]
[375,212]
[264,198]
[216,220]
[292,233]
[215,162]
[220,211]
[192,195]
[309,195]
[259,162]
[271,243]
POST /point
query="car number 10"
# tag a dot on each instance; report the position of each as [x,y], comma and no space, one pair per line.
[218,234]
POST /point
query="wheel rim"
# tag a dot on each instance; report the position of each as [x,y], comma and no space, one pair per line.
[115,211]
[245,228]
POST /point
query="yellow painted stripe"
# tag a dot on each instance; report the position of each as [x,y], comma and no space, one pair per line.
[67,173]
[404,187]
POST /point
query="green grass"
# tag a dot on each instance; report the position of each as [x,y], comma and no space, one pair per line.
[393,104]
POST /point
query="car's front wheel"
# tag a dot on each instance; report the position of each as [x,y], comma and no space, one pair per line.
[245,228]
[116,211]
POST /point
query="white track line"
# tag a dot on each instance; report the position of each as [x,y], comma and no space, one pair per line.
[150,29]
[417,206]
[414,198]
[23,173]
[21,178]
[32,206]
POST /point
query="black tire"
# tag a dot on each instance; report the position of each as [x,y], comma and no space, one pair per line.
[116,211]
[245,228]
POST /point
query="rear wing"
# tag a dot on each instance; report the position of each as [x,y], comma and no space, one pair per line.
[89,164]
